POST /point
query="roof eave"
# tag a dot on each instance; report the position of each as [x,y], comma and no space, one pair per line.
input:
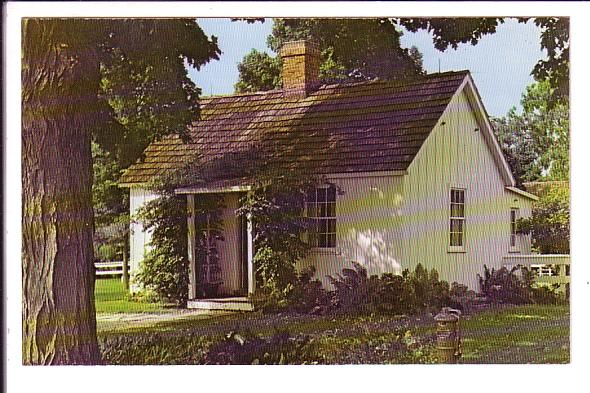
[211,190]
[482,117]
[130,184]
[523,193]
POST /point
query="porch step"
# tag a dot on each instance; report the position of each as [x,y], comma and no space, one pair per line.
[229,304]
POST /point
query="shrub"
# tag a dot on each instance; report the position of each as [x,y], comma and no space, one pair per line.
[353,289]
[165,273]
[274,275]
[547,294]
[390,294]
[280,348]
[394,295]
[429,291]
[307,294]
[458,290]
[274,271]
[165,267]
[504,286]
[462,297]
[297,291]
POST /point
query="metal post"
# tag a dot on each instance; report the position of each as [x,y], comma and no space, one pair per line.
[448,339]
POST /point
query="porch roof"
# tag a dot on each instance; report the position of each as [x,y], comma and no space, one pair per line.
[235,185]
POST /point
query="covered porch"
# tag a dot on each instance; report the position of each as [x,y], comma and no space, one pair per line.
[221,273]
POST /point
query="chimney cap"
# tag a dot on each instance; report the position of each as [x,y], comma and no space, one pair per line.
[298,48]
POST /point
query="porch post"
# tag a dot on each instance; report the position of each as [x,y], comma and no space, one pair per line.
[250,254]
[192,258]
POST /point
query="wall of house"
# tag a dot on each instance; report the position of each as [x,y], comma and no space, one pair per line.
[367,229]
[139,237]
[456,155]
[525,209]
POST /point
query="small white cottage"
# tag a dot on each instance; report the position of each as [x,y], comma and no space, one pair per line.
[422,176]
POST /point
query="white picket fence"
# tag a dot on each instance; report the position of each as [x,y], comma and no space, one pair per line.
[112,268]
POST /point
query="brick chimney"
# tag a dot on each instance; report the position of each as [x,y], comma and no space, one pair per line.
[301,67]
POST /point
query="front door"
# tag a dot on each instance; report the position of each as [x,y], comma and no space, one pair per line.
[226,274]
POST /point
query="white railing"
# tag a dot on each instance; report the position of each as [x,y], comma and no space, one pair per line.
[114,268]
[550,268]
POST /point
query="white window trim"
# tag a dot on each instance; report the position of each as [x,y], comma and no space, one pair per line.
[516,247]
[461,248]
[326,250]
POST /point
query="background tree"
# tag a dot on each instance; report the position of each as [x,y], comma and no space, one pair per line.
[64,64]
[536,141]
[549,224]
[111,210]
[351,50]
[258,71]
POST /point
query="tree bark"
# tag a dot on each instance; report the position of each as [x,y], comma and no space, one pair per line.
[60,80]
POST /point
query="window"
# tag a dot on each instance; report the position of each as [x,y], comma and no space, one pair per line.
[457,222]
[321,206]
[513,227]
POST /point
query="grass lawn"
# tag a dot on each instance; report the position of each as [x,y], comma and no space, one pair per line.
[523,334]
[110,297]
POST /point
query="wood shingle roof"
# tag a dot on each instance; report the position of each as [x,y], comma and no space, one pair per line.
[344,128]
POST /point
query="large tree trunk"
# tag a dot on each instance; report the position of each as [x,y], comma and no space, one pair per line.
[60,79]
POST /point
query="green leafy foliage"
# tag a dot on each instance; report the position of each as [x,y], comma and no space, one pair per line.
[111,207]
[351,50]
[258,72]
[555,68]
[517,286]
[429,291]
[536,142]
[248,348]
[519,146]
[504,286]
[549,224]
[144,95]
[307,294]
[165,267]
[462,297]
[409,293]
[353,289]
[144,81]
[276,203]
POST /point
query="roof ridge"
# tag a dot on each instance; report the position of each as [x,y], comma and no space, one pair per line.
[400,81]
[392,82]
[244,94]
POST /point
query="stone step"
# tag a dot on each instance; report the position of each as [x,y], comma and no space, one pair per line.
[229,304]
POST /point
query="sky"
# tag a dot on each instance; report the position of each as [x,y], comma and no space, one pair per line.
[500,63]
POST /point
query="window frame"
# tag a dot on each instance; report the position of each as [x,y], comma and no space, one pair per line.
[514,247]
[329,218]
[453,203]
